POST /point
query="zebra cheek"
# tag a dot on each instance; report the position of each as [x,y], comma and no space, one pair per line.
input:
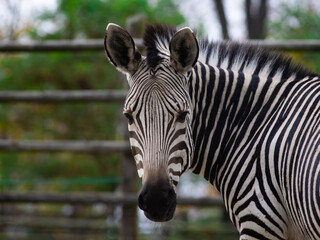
[174,177]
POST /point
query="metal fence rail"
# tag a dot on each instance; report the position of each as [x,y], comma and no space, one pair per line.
[90,198]
[63,96]
[97,45]
[65,145]
[56,45]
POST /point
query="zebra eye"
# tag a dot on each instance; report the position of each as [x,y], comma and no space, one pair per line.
[129,117]
[182,116]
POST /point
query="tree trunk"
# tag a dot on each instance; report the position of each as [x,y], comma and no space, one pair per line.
[256,12]
[222,18]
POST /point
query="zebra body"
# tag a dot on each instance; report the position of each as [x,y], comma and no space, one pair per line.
[264,134]
[244,119]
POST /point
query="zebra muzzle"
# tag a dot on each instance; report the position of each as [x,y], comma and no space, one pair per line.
[158,201]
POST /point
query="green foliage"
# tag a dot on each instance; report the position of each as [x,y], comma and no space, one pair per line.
[49,71]
[66,71]
[58,172]
[298,21]
[88,18]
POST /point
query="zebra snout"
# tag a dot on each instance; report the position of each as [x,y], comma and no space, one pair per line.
[158,201]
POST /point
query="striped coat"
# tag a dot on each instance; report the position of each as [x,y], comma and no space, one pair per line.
[243,118]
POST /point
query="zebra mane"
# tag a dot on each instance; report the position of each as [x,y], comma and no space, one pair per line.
[232,55]
[156,40]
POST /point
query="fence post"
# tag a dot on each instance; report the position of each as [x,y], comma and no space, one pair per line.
[128,228]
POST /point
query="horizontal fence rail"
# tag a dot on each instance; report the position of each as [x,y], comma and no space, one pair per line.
[91,198]
[46,224]
[63,96]
[64,181]
[97,45]
[288,45]
[56,45]
[65,145]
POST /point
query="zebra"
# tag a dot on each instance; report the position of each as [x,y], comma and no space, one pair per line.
[244,118]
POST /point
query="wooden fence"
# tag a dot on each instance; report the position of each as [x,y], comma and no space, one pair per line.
[127,198]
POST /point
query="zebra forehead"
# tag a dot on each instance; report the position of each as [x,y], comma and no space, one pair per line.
[158,98]
[166,99]
[164,83]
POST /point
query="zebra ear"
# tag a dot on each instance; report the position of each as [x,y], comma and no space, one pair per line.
[121,50]
[184,50]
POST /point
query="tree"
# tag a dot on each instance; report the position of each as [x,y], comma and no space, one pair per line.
[88,19]
[298,21]
[222,18]
[11,23]
[256,13]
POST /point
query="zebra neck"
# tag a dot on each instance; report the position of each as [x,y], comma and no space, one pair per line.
[207,89]
[227,108]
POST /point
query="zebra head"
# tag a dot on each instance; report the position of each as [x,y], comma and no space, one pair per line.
[158,108]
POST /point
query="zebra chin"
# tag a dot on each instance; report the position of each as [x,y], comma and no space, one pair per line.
[164,218]
[158,201]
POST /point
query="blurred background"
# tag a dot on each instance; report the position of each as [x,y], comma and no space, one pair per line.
[66,172]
